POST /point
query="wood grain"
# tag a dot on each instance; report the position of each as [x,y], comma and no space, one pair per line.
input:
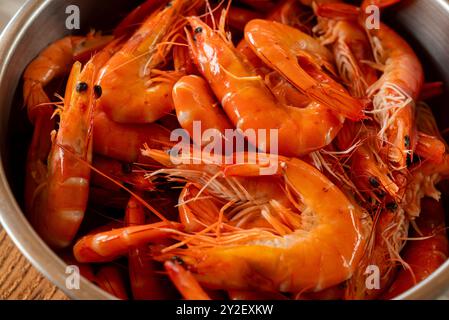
[19,279]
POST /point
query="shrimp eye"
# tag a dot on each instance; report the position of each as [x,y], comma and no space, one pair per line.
[374,182]
[98,91]
[392,206]
[81,87]
[380,193]
[407,141]
[178,260]
[198,30]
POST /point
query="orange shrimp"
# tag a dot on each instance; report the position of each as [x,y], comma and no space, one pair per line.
[124,141]
[54,62]
[368,171]
[55,213]
[430,171]
[146,283]
[395,93]
[194,102]
[288,12]
[243,94]
[292,53]
[108,245]
[260,5]
[352,51]
[431,145]
[300,241]
[383,250]
[423,256]
[133,90]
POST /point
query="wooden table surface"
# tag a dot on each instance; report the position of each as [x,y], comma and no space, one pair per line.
[18,278]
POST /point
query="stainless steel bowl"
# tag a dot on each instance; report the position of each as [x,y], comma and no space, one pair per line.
[39,22]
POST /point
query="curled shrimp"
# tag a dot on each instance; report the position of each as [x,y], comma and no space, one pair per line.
[243,94]
[394,94]
[132,91]
[254,253]
[280,46]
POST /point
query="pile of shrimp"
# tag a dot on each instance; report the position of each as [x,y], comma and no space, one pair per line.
[351,210]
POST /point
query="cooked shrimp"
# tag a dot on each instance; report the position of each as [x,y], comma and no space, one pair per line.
[423,256]
[132,91]
[394,94]
[52,63]
[254,253]
[248,102]
[109,245]
[55,213]
[280,46]
[352,51]
[111,279]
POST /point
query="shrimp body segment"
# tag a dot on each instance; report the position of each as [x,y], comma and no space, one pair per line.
[194,101]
